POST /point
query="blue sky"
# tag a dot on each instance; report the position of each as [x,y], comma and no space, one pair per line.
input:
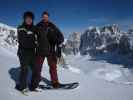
[71,15]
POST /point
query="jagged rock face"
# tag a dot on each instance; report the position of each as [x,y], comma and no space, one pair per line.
[130,36]
[8,36]
[90,40]
[124,44]
[110,36]
[105,38]
[72,44]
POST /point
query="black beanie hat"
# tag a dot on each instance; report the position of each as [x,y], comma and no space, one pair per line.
[28,14]
[45,13]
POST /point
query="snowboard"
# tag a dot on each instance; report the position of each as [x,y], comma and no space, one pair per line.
[68,86]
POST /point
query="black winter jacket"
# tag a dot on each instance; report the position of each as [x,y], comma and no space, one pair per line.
[49,37]
[26,36]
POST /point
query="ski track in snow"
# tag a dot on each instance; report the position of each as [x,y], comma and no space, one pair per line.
[98,80]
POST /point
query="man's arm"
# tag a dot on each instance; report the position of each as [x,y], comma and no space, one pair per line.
[59,37]
[59,40]
[20,31]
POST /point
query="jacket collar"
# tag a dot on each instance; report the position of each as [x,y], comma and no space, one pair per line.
[27,26]
[43,23]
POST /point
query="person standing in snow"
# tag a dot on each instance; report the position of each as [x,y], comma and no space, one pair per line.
[49,42]
[26,49]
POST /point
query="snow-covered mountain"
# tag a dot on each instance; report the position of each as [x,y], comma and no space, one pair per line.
[72,43]
[126,43]
[8,36]
[106,39]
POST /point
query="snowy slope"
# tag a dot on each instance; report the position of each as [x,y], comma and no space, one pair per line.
[94,84]
[9,71]
[104,80]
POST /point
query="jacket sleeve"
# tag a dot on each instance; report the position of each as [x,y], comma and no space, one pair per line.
[59,35]
[37,35]
[19,35]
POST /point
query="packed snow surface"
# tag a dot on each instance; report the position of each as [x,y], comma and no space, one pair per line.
[99,80]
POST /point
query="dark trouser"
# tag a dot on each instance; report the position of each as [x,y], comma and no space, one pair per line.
[27,60]
[36,76]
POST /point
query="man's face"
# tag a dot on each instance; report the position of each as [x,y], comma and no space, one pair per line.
[28,20]
[45,18]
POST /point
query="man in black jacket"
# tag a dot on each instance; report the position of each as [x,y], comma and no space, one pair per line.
[49,48]
[26,49]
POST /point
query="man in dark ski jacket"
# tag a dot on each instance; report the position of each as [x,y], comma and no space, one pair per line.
[49,48]
[26,49]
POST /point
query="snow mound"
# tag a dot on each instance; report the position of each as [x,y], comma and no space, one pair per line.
[107,74]
[116,75]
[73,69]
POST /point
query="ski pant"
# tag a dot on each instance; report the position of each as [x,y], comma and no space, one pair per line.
[36,76]
[27,60]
